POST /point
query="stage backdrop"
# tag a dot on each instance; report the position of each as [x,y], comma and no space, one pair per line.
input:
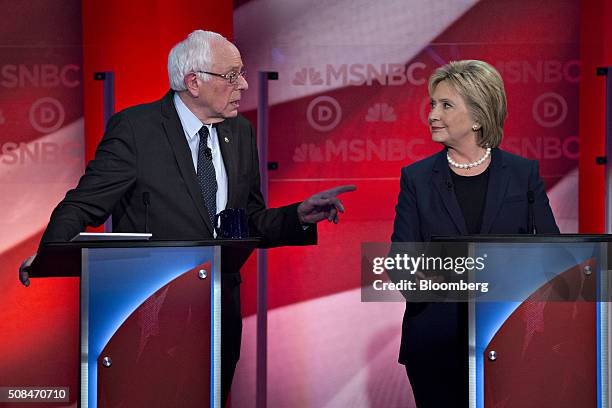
[350,107]
[41,157]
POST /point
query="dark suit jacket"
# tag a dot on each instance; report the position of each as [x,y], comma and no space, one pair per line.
[144,149]
[427,206]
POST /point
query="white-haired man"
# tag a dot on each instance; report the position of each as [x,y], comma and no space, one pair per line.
[156,150]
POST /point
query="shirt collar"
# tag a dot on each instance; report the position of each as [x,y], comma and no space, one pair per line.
[191,123]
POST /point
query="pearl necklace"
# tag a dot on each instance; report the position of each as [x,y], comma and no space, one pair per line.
[468,165]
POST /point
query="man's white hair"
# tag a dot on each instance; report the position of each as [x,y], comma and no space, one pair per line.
[192,54]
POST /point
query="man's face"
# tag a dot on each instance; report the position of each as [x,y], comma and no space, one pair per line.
[217,98]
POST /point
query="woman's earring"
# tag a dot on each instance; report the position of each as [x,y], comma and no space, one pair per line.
[475,127]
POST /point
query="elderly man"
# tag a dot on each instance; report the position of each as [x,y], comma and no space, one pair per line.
[186,157]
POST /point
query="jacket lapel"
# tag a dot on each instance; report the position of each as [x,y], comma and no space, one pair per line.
[228,146]
[442,182]
[176,137]
[496,190]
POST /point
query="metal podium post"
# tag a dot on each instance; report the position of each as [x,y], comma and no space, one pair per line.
[262,254]
[108,101]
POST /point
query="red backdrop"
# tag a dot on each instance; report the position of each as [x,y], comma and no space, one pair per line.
[38,324]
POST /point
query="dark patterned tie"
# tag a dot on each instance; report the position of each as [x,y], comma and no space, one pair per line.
[206,175]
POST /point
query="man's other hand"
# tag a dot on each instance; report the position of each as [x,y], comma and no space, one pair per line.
[323,205]
[24,270]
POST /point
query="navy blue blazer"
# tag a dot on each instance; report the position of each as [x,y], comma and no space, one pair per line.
[427,206]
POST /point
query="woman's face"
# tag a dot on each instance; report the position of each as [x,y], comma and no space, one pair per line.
[450,121]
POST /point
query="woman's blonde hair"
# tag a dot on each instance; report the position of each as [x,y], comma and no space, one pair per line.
[482,89]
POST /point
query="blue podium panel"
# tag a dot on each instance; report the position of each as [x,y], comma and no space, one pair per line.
[150,309]
[539,335]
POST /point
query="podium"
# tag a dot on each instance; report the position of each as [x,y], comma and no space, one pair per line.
[150,318]
[540,336]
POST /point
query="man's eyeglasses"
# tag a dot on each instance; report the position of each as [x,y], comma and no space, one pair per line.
[231,77]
